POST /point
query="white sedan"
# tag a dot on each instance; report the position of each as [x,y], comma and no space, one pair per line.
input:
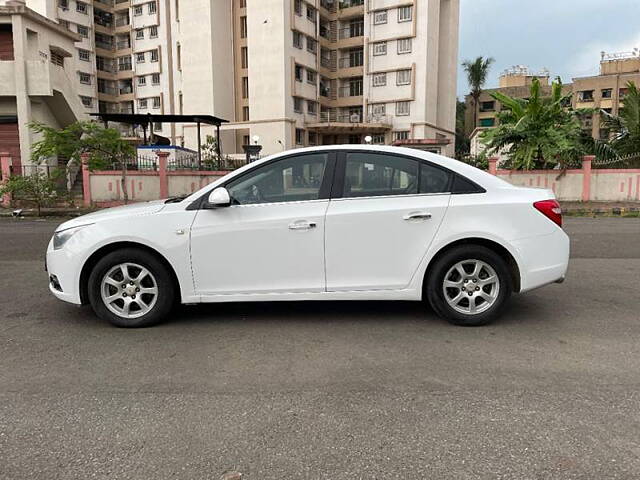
[322,223]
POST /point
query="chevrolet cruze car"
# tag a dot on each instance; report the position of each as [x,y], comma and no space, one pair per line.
[322,223]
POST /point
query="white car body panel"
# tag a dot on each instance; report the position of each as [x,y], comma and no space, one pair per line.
[248,253]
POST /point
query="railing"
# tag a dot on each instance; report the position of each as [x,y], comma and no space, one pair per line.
[123,44]
[122,21]
[107,90]
[329,5]
[123,67]
[350,62]
[126,90]
[354,90]
[326,62]
[352,31]
[104,45]
[350,3]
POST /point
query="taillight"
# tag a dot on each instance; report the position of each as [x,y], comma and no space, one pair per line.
[551,209]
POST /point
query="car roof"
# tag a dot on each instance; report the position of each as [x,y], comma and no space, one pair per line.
[482,178]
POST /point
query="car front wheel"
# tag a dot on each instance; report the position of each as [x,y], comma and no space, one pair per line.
[469,285]
[131,288]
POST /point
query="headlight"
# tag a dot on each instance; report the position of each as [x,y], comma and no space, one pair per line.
[63,236]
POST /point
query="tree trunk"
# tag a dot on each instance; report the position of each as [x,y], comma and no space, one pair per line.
[123,183]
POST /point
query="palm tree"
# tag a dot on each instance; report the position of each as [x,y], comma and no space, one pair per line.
[625,127]
[477,73]
[539,131]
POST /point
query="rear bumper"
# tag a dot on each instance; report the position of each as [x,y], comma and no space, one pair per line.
[544,259]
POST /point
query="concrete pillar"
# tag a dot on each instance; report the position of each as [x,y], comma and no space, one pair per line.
[23,102]
[5,170]
[86,180]
[586,177]
[493,165]
[162,172]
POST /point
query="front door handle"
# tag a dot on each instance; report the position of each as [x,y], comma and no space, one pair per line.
[417,216]
[302,225]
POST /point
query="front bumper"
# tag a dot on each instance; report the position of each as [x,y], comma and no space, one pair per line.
[65,269]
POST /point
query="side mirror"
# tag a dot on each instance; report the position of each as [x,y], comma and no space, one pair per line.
[219,198]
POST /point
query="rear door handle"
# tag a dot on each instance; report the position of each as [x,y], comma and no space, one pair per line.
[417,216]
[302,225]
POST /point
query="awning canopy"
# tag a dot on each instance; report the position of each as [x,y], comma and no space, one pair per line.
[146,118]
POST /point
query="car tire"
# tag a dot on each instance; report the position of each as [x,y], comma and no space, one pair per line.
[131,288]
[470,297]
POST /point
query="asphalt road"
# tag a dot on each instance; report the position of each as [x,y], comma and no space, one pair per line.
[327,390]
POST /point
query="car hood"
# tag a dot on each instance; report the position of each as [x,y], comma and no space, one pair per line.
[135,209]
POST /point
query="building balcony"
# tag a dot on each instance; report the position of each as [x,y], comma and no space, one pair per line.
[335,122]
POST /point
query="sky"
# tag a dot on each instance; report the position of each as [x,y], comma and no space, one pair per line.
[564,36]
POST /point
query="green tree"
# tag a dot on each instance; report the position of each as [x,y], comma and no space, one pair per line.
[625,127]
[538,132]
[105,147]
[477,72]
[462,141]
[39,187]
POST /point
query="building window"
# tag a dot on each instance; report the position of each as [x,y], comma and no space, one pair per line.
[311,14]
[378,139]
[84,55]
[86,101]
[299,73]
[156,102]
[487,122]
[63,4]
[142,81]
[81,7]
[402,108]
[378,109]
[154,55]
[137,11]
[245,114]
[299,136]
[298,7]
[402,135]
[311,45]
[243,3]
[380,48]
[245,87]
[243,27]
[140,34]
[152,8]
[85,78]
[312,107]
[311,77]
[487,106]
[403,77]
[585,96]
[244,56]
[380,17]
[297,104]
[82,31]
[622,93]
[297,39]
[153,32]
[404,45]
[155,79]
[142,104]
[313,138]
[140,57]
[404,14]
[607,93]
[379,79]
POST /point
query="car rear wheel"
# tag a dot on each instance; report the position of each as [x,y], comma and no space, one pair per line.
[131,288]
[469,285]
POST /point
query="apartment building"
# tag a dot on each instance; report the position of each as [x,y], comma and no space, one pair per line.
[606,91]
[124,59]
[37,78]
[285,73]
[323,71]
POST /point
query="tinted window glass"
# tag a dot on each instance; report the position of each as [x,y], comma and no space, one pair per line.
[292,179]
[462,185]
[373,175]
[433,179]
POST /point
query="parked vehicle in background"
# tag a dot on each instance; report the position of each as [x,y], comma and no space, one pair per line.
[323,223]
